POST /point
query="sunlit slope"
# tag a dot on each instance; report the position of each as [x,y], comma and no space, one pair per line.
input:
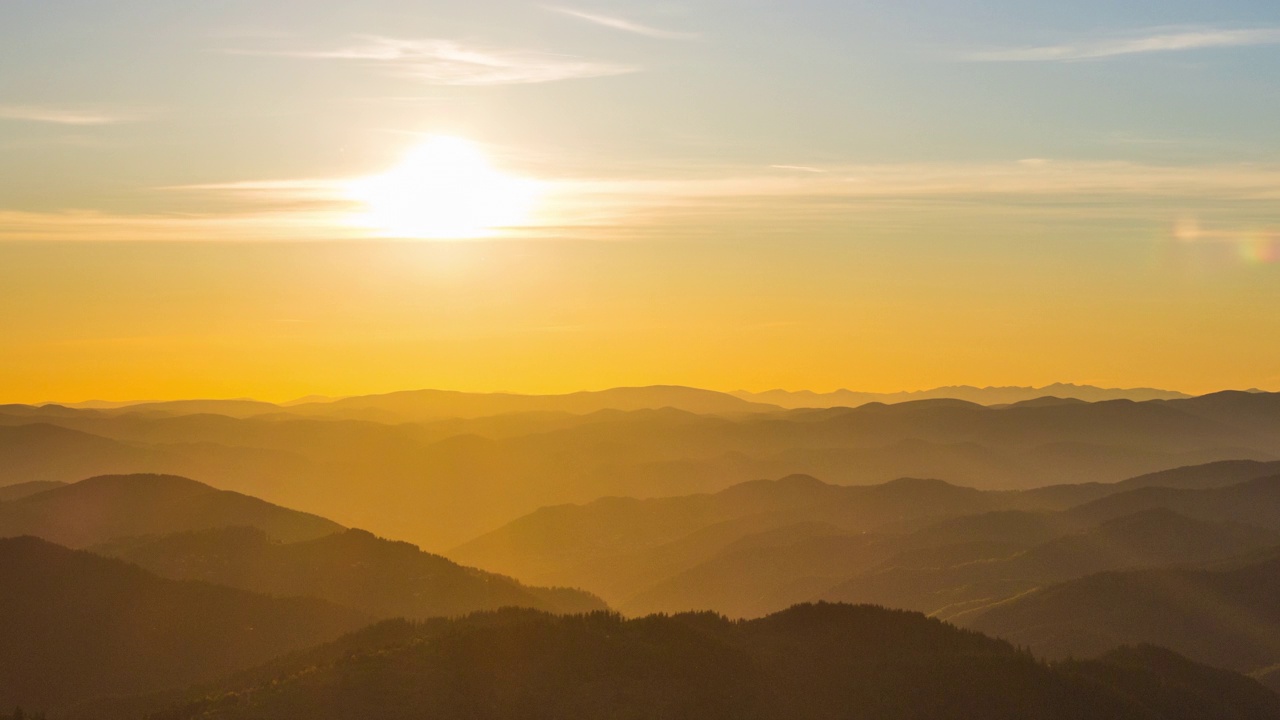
[113,506]
[352,568]
[816,661]
[184,530]
[78,626]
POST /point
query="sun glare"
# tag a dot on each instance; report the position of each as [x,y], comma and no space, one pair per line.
[444,189]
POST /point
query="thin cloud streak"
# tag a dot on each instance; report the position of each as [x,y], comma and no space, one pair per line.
[1156,42]
[61,116]
[449,62]
[617,23]
[317,209]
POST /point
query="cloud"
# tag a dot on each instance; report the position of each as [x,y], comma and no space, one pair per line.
[601,206]
[799,168]
[62,116]
[1166,40]
[449,62]
[623,24]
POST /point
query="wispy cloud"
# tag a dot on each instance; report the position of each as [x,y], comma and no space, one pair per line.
[626,205]
[1154,41]
[799,168]
[623,24]
[63,116]
[450,62]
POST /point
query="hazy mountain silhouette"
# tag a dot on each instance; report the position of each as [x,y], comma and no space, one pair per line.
[921,545]
[1203,477]
[1255,502]
[354,568]
[471,476]
[104,508]
[78,626]
[563,541]
[427,405]
[26,489]
[418,405]
[948,586]
[813,661]
[982,396]
[1229,617]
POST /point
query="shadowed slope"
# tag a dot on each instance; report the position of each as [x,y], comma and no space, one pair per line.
[77,626]
[1229,618]
[809,662]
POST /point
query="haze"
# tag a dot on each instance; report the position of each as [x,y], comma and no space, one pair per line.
[604,359]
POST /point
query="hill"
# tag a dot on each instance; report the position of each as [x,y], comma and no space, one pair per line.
[104,508]
[980,395]
[354,568]
[1228,618]
[79,626]
[1255,502]
[921,545]
[814,661]
[18,491]
[949,585]
[597,542]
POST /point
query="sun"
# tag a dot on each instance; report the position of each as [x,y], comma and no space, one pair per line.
[444,188]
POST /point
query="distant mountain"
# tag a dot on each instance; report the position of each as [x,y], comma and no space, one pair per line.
[442,482]
[21,490]
[981,395]
[1207,476]
[953,585]
[1229,618]
[423,405]
[51,453]
[79,626]
[430,405]
[916,544]
[807,663]
[378,577]
[104,508]
[1255,502]
[603,539]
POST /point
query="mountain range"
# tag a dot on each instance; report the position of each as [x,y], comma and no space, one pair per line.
[442,482]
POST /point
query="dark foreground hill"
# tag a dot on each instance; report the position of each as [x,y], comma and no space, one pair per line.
[1228,617]
[353,568]
[77,626]
[104,508]
[812,661]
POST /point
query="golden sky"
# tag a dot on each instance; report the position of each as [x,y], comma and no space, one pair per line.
[263,199]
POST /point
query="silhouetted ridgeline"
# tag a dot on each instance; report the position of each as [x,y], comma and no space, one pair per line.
[814,661]
[439,482]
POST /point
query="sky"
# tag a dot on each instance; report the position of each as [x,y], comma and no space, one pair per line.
[283,198]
